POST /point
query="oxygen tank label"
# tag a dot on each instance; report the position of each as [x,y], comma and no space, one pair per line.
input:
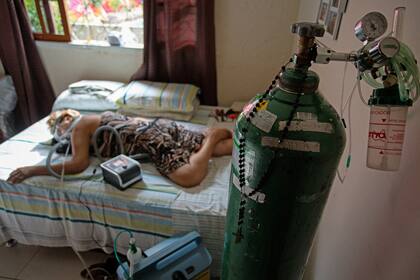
[293,145]
[308,125]
[258,197]
[304,116]
[386,136]
[386,131]
[264,120]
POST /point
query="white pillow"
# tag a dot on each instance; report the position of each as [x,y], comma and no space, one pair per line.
[88,96]
[157,96]
[179,116]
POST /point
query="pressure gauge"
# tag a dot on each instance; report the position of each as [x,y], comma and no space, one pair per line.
[372,26]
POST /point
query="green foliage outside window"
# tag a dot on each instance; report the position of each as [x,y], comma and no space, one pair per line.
[55,10]
[34,19]
[33,15]
[91,20]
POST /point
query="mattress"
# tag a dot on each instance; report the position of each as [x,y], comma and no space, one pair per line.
[88,214]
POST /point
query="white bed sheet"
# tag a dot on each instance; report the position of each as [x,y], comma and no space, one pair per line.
[44,211]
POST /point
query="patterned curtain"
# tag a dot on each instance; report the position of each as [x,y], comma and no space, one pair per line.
[179,45]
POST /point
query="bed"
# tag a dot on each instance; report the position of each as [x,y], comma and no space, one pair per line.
[88,214]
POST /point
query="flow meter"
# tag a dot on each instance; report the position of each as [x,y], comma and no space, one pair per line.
[370,27]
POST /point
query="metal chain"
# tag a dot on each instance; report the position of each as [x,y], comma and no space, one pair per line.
[267,173]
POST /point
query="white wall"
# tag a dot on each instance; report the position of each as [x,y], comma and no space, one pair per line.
[252,42]
[371,225]
[68,63]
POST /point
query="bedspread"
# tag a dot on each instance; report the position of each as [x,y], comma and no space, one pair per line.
[88,214]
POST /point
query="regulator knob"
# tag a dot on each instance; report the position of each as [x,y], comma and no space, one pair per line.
[308,29]
[384,49]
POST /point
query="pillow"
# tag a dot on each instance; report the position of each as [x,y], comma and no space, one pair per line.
[88,96]
[179,116]
[167,97]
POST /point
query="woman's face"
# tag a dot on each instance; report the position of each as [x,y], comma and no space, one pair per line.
[64,124]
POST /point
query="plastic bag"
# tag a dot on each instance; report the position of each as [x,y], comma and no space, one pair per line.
[8,100]
[8,95]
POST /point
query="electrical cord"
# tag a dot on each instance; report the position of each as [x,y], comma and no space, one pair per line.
[88,208]
[62,214]
[103,270]
[93,229]
[72,246]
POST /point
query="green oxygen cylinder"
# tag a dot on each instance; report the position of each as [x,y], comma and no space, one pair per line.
[287,146]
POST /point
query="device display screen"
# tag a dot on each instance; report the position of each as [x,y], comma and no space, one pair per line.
[117,163]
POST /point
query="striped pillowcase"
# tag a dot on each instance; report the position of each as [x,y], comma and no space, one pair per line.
[168,97]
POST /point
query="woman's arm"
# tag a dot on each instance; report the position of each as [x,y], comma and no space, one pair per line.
[80,139]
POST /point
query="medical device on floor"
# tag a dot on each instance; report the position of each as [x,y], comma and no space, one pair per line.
[177,258]
[121,171]
[288,143]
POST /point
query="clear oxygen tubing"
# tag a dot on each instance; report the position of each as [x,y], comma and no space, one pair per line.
[114,131]
[95,137]
[116,252]
[61,176]
[359,87]
[95,146]
[405,67]
[62,214]
[343,106]
[63,139]
[63,165]
[100,129]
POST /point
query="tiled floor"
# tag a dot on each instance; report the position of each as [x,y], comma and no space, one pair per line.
[40,263]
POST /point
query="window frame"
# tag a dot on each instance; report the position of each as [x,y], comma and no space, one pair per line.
[45,27]
[48,35]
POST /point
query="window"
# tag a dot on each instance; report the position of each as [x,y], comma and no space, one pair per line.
[48,20]
[91,22]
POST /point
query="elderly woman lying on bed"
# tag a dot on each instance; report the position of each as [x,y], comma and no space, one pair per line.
[178,153]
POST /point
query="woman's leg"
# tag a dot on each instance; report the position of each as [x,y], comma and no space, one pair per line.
[223,148]
[191,174]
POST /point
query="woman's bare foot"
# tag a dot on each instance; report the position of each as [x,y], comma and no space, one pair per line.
[218,134]
[223,148]
[222,139]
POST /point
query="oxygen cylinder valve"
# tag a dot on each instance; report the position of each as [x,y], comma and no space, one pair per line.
[306,51]
[134,255]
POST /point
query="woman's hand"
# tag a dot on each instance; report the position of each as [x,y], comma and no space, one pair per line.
[19,175]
